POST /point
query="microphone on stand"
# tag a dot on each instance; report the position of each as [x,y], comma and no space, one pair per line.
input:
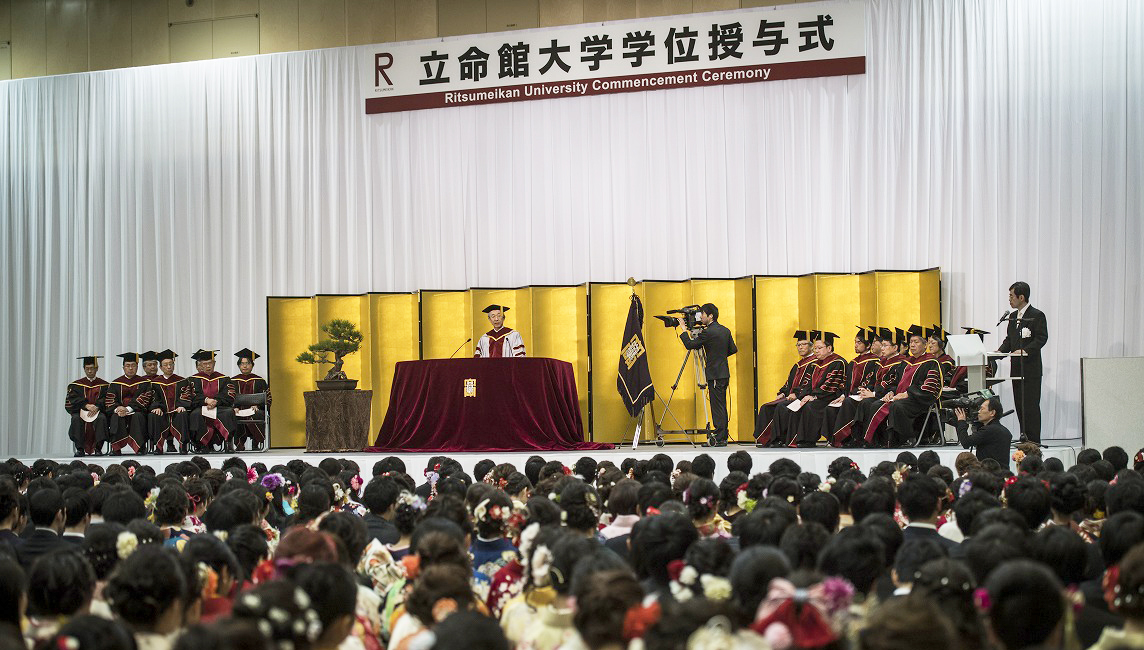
[1004,317]
[459,347]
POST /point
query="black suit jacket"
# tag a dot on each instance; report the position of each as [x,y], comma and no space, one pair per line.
[917,532]
[41,541]
[1034,320]
[716,341]
[991,440]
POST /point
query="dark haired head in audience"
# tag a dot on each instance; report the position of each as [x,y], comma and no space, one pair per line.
[888,531]
[451,508]
[1032,465]
[1067,496]
[13,599]
[740,461]
[275,609]
[1085,473]
[969,506]
[1125,493]
[660,462]
[987,481]
[652,496]
[751,573]
[46,509]
[1117,457]
[992,466]
[942,473]
[148,590]
[1120,533]
[333,596]
[911,556]
[389,464]
[441,582]
[1054,465]
[784,467]
[471,630]
[801,544]
[702,500]
[993,546]
[703,466]
[949,585]
[585,468]
[212,553]
[1061,550]
[928,459]
[482,468]
[1030,498]
[123,506]
[821,508]
[87,632]
[226,512]
[840,465]
[248,544]
[1088,456]
[1128,598]
[914,623]
[603,598]
[1104,470]
[655,542]
[764,525]
[581,506]
[874,496]
[908,459]
[380,496]
[786,488]
[855,553]
[920,497]
[1026,605]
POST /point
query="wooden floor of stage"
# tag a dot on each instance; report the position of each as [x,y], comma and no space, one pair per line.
[812,460]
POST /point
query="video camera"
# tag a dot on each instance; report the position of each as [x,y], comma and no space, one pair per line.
[971,402]
[689,314]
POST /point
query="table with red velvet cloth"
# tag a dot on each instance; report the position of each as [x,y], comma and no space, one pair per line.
[521,404]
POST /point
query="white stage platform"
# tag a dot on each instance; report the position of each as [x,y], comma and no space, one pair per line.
[813,460]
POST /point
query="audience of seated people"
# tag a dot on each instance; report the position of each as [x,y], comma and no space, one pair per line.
[648,554]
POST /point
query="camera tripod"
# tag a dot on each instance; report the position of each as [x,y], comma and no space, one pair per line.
[701,383]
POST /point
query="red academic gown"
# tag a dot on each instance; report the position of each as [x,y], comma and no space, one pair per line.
[765,425]
[886,381]
[218,386]
[87,436]
[129,430]
[249,384]
[827,382]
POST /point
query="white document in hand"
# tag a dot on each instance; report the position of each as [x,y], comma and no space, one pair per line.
[795,405]
[856,397]
[88,416]
[837,404]
[210,413]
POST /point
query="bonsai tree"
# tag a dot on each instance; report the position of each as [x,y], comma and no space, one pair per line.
[344,338]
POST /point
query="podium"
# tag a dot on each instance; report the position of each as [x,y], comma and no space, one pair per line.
[513,404]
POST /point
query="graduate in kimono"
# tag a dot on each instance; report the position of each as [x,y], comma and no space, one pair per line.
[84,402]
[500,341]
[212,398]
[918,387]
[765,433]
[862,374]
[170,404]
[248,383]
[827,383]
[126,408]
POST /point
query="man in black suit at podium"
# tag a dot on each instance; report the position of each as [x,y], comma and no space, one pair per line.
[718,344]
[1026,334]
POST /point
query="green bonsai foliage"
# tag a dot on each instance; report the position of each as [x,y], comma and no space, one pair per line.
[344,338]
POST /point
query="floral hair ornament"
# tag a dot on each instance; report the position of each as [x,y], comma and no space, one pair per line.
[789,617]
[339,493]
[485,513]
[567,470]
[982,600]
[273,481]
[639,619]
[964,488]
[674,475]
[824,487]
[251,475]
[1018,456]
[854,465]
[130,471]
[209,579]
[1010,481]
[125,544]
[67,643]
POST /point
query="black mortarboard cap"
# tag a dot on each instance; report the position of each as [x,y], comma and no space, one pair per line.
[828,338]
[936,332]
[149,355]
[801,335]
[915,330]
[246,353]
[865,334]
[885,334]
[901,337]
[165,354]
[204,355]
[491,308]
[974,330]
[87,361]
[129,356]
[815,335]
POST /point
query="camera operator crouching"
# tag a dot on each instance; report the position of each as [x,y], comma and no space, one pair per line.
[990,437]
[717,344]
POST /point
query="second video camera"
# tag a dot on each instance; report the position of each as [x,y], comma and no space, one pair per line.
[689,315]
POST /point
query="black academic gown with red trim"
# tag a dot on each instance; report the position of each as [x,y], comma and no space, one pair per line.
[862,373]
[249,384]
[87,436]
[946,364]
[167,394]
[827,382]
[131,429]
[921,382]
[886,382]
[764,420]
[217,386]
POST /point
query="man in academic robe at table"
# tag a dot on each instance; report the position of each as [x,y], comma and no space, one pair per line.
[248,383]
[717,344]
[168,417]
[862,374]
[212,398]
[500,341]
[935,345]
[799,372]
[126,407]
[1026,333]
[827,383]
[85,401]
[918,388]
[885,383]
[989,436]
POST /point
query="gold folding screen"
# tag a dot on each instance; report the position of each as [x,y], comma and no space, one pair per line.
[584,325]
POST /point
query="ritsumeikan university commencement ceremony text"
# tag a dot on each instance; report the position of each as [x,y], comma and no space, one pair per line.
[740,46]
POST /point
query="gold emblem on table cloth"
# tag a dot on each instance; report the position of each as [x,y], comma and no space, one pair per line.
[470,388]
[633,351]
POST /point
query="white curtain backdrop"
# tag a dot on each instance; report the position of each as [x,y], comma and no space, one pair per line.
[158,207]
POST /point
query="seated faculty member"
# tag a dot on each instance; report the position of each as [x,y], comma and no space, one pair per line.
[126,406]
[248,383]
[84,403]
[212,398]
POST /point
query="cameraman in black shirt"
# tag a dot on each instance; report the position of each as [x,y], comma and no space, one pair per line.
[718,344]
[990,437]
